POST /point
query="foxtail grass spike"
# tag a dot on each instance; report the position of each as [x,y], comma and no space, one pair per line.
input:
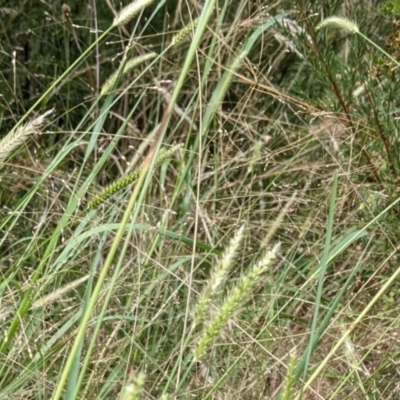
[218,277]
[289,383]
[134,389]
[130,64]
[232,303]
[16,138]
[339,22]
[128,179]
[130,11]
[185,31]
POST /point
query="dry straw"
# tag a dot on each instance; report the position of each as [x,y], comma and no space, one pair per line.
[130,11]
[16,138]
[218,277]
[232,303]
[128,179]
[130,64]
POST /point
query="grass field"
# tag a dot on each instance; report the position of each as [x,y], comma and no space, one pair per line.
[199,201]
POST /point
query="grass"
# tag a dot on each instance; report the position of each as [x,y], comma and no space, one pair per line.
[209,214]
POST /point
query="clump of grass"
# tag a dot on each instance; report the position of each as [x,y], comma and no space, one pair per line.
[17,137]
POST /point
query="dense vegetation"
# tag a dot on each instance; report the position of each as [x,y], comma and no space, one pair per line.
[199,200]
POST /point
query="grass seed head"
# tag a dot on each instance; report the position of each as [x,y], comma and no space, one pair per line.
[339,22]
[130,11]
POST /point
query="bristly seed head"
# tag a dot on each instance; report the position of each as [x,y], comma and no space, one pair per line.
[130,64]
[130,11]
[185,31]
[340,23]
[17,137]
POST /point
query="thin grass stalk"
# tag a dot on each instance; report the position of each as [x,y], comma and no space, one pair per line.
[27,299]
[43,97]
[323,267]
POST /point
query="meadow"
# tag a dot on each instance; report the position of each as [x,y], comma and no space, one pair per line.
[199,200]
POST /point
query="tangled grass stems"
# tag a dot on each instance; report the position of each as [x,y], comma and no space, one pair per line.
[17,137]
[218,276]
[233,302]
[128,179]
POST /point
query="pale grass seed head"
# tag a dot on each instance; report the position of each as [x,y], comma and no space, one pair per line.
[233,302]
[218,277]
[339,22]
[130,64]
[130,11]
[17,137]
[134,388]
